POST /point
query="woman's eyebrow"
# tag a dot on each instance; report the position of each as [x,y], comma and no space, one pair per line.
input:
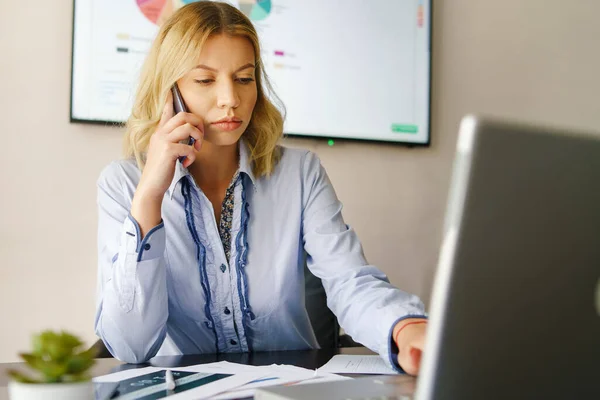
[206,67]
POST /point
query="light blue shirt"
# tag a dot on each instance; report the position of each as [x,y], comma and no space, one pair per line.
[174,292]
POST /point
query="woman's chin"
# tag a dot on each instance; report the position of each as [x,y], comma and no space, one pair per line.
[221,138]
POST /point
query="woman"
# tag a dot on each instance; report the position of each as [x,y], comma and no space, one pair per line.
[207,254]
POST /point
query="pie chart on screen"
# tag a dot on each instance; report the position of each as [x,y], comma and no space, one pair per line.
[256,10]
[157,11]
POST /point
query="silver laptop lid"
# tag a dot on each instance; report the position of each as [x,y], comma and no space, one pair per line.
[514,312]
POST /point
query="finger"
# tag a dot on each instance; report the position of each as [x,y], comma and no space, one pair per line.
[410,360]
[198,143]
[178,150]
[167,112]
[183,132]
[404,361]
[181,119]
[415,358]
[189,159]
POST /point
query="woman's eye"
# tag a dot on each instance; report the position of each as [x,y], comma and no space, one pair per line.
[203,81]
[245,81]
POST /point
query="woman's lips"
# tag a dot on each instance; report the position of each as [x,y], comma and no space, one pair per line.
[227,126]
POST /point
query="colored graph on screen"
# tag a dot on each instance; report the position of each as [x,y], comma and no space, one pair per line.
[157,11]
[256,10]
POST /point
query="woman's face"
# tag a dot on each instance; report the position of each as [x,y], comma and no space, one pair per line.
[222,88]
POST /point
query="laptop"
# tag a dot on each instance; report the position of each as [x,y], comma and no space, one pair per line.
[515,307]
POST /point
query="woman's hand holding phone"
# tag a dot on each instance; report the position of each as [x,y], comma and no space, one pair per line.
[164,150]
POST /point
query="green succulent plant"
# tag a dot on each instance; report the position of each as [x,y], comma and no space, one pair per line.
[56,357]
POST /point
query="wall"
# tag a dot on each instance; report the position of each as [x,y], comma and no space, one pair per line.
[534,60]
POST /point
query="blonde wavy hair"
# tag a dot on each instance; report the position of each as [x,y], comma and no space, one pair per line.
[174,53]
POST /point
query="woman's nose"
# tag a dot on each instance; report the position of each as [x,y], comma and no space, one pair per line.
[228,96]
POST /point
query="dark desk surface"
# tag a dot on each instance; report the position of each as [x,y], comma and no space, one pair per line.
[306,358]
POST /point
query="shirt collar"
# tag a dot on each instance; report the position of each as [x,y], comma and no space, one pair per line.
[180,173]
[245,167]
[245,162]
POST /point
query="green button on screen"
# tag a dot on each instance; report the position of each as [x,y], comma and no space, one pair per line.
[403,128]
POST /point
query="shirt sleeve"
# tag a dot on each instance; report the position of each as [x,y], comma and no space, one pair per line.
[131,306]
[365,303]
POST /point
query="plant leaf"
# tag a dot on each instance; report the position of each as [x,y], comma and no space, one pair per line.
[53,371]
[50,369]
[55,355]
[58,351]
[32,360]
[82,362]
[20,377]
[69,341]
[42,340]
[78,364]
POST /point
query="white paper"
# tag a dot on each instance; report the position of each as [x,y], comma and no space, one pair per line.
[221,367]
[234,395]
[325,377]
[351,364]
[280,375]
[273,375]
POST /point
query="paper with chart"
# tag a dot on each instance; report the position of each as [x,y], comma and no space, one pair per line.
[150,383]
[219,380]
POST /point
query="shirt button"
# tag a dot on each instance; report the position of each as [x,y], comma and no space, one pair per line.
[147,246]
[223,267]
[233,342]
[227,312]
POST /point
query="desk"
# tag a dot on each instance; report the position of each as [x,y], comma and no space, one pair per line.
[306,358]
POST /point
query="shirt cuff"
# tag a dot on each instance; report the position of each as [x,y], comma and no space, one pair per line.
[134,250]
[151,246]
[393,353]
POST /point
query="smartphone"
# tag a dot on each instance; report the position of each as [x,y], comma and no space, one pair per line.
[179,106]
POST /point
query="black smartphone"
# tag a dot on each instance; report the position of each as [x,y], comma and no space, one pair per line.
[179,106]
